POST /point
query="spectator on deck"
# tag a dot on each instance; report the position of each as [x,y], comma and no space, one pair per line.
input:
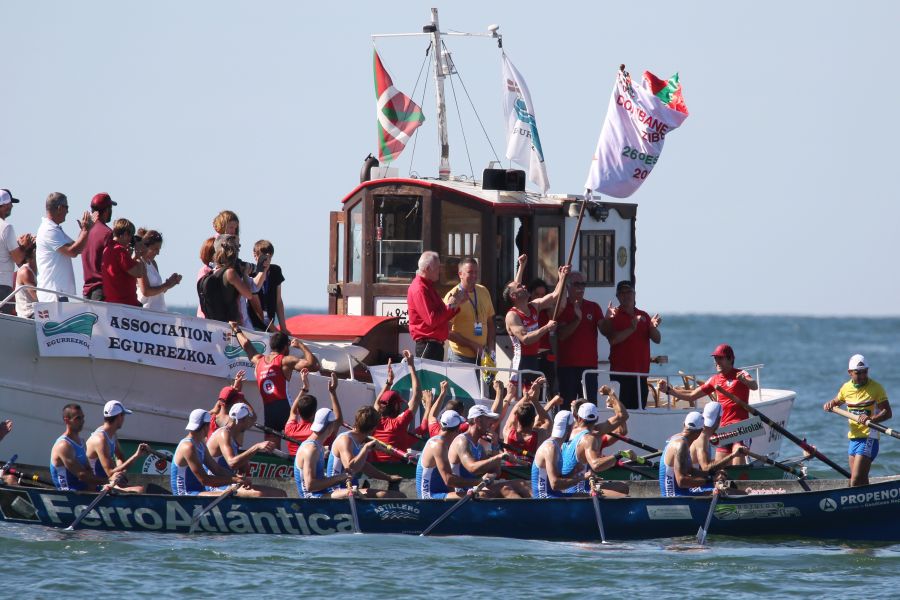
[207,252]
[98,238]
[223,287]
[226,222]
[55,249]
[123,264]
[26,275]
[429,317]
[269,280]
[472,327]
[151,287]
[579,327]
[12,249]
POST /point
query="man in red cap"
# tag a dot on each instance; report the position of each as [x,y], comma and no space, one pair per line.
[99,236]
[728,383]
[228,396]
[396,416]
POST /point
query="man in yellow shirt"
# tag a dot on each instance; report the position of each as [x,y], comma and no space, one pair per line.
[865,398]
[472,329]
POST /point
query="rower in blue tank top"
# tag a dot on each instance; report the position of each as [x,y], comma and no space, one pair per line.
[69,465]
[335,464]
[429,483]
[62,477]
[302,488]
[181,477]
[540,482]
[109,448]
[309,464]
[676,455]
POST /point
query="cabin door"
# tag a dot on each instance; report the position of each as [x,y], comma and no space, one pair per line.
[335,262]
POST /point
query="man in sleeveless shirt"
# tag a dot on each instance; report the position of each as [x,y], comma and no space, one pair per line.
[866,399]
[69,466]
[523,327]
[309,464]
[547,480]
[273,371]
[701,455]
[193,471]
[435,478]
[104,452]
[677,475]
[584,449]
[350,451]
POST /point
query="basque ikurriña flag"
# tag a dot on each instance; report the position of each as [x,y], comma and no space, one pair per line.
[637,121]
[523,144]
[398,115]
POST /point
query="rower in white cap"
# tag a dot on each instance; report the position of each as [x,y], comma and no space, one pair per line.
[104,452]
[702,452]
[547,480]
[193,471]
[309,464]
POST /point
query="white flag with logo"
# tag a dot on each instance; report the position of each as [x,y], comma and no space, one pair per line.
[637,121]
[523,145]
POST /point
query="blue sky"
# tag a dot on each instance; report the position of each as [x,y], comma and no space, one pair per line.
[774,197]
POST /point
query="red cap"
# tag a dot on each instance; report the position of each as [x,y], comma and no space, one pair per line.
[723,350]
[229,393]
[389,397]
[101,201]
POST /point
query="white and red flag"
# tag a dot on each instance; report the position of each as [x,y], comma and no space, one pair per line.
[637,122]
[398,115]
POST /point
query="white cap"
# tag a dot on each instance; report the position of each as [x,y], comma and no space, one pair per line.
[113,408]
[694,421]
[450,419]
[239,410]
[588,412]
[323,417]
[198,419]
[480,411]
[857,363]
[561,422]
[711,414]
[6,197]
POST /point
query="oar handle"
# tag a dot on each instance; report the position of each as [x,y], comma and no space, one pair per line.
[275,432]
[634,443]
[385,445]
[769,461]
[802,443]
[870,424]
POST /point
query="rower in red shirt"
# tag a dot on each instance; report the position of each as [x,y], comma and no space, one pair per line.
[303,412]
[728,383]
[528,424]
[429,318]
[396,417]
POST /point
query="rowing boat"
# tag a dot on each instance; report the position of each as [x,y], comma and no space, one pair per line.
[830,510]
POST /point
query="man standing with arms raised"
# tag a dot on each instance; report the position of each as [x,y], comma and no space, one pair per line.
[13,250]
[579,325]
[273,371]
[472,328]
[866,399]
[429,317]
[55,249]
[98,238]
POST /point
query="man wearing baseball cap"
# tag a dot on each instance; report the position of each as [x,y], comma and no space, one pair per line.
[728,383]
[547,480]
[193,471]
[629,331]
[866,399]
[351,449]
[309,464]
[13,250]
[396,414]
[584,449]
[702,454]
[98,238]
[104,452]
[435,477]
[677,475]
[228,395]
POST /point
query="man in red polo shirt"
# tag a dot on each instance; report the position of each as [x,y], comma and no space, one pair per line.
[579,325]
[629,331]
[396,417]
[99,236]
[120,269]
[429,318]
[728,383]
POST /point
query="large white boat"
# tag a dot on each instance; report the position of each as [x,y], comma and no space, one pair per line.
[379,232]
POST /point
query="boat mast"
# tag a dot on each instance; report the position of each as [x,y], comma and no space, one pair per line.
[439,74]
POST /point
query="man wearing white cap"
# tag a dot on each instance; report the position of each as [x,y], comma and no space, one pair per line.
[435,478]
[547,480]
[103,451]
[866,399]
[584,448]
[69,466]
[12,249]
[701,451]
[350,451]
[677,476]
[309,464]
[193,471]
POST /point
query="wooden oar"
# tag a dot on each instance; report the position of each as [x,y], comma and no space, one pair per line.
[802,443]
[596,500]
[800,475]
[875,426]
[635,443]
[277,433]
[352,497]
[701,533]
[469,495]
[232,489]
[106,489]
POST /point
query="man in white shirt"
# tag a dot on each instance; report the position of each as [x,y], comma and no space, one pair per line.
[12,249]
[55,249]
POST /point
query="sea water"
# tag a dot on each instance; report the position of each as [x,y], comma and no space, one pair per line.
[808,355]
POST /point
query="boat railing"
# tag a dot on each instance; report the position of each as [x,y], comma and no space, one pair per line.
[755,370]
[12,297]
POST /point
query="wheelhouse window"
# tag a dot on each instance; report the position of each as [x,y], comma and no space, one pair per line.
[596,257]
[460,238]
[398,238]
[354,243]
